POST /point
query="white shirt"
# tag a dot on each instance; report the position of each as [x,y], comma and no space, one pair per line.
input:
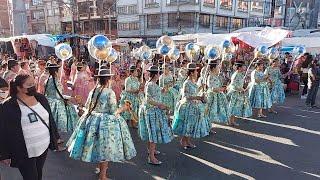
[36,134]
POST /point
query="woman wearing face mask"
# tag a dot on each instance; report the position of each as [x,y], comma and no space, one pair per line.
[4,89]
[259,93]
[102,135]
[63,112]
[153,122]
[189,121]
[28,125]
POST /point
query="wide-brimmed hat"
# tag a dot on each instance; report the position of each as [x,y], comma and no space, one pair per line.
[192,66]
[258,62]
[12,63]
[213,62]
[153,69]
[239,63]
[52,65]
[80,64]
[132,68]
[104,72]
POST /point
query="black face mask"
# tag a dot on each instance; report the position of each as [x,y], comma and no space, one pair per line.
[32,91]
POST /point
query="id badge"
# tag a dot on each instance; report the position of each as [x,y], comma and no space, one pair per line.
[32,117]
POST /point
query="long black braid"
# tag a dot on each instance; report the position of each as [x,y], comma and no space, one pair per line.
[52,74]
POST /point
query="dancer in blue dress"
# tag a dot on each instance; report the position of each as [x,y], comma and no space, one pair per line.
[217,104]
[153,122]
[102,135]
[169,95]
[259,92]
[277,91]
[64,113]
[189,121]
[131,95]
[182,75]
[239,104]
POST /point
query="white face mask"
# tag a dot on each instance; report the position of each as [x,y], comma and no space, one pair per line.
[4,94]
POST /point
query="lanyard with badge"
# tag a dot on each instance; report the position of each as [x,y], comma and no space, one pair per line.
[33,117]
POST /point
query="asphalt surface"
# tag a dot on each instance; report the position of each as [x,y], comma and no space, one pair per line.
[282,146]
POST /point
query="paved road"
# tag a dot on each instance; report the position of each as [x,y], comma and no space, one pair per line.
[282,146]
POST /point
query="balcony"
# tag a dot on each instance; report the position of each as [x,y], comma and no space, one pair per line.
[152,5]
[182,2]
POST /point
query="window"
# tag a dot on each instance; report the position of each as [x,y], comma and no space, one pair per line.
[186,20]
[37,2]
[172,20]
[128,26]
[50,12]
[153,21]
[257,6]
[237,23]
[27,6]
[211,3]
[56,12]
[278,7]
[204,20]
[222,22]
[38,28]
[151,3]
[243,5]
[122,10]
[132,9]
[226,4]
[37,15]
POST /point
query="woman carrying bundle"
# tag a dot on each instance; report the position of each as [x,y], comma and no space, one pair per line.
[131,94]
[102,135]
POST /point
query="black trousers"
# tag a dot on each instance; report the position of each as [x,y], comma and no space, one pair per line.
[305,83]
[312,94]
[31,168]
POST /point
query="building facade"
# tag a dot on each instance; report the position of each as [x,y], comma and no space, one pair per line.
[302,14]
[17,17]
[4,19]
[153,18]
[43,16]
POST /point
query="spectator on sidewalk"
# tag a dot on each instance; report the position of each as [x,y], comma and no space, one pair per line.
[313,83]
[306,60]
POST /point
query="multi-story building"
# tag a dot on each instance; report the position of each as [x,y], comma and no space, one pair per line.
[302,14]
[153,18]
[17,17]
[4,19]
[43,16]
[97,17]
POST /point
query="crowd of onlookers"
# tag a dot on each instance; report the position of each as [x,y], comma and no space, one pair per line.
[305,73]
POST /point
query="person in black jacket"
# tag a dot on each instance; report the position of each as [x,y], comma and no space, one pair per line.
[27,128]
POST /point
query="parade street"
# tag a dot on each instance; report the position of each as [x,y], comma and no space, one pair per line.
[282,146]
